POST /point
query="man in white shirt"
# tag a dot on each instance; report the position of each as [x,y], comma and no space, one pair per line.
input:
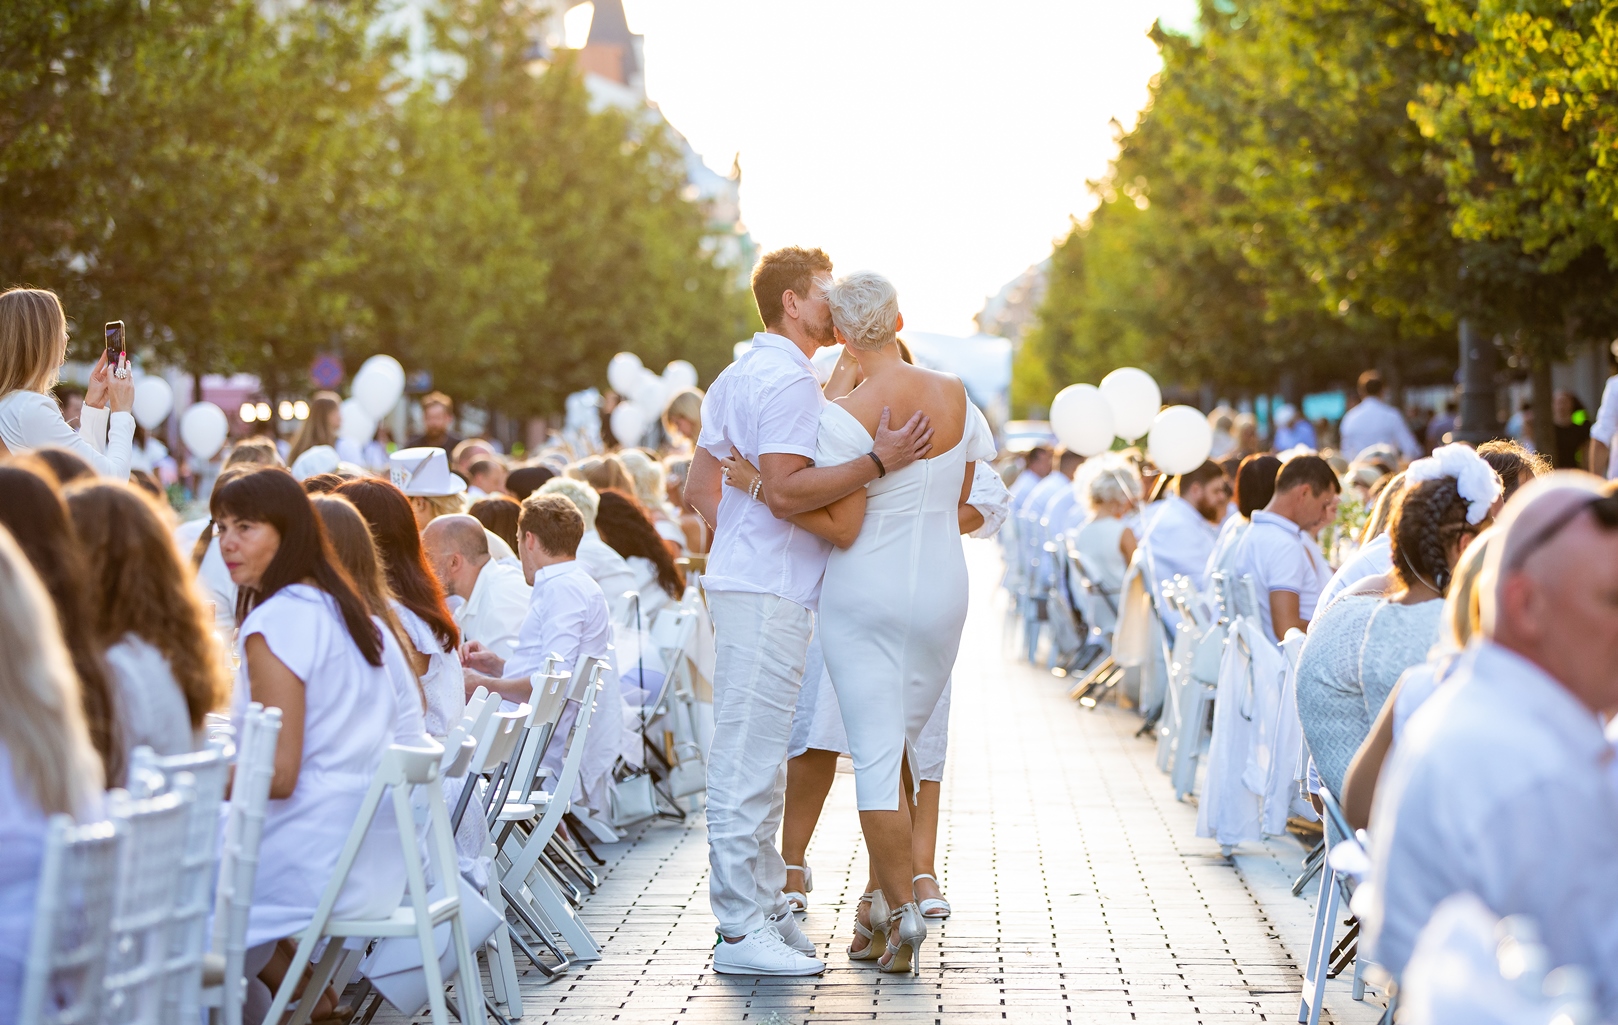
[1603,443]
[1180,537]
[493,595]
[1036,467]
[1374,422]
[1035,527]
[1279,550]
[1501,784]
[605,566]
[763,584]
[567,618]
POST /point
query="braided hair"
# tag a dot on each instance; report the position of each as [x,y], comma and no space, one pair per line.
[1426,520]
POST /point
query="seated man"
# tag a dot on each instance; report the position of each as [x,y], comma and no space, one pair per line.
[1501,784]
[492,596]
[605,566]
[568,619]
[1279,550]
[1180,537]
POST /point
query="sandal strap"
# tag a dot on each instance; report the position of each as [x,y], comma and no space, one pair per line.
[924,875]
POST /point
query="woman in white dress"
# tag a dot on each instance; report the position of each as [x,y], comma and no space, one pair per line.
[33,344]
[47,763]
[1110,486]
[147,613]
[310,648]
[893,600]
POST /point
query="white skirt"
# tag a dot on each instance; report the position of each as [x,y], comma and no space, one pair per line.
[817,722]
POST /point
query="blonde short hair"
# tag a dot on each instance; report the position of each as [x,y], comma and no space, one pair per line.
[603,473]
[687,405]
[1107,478]
[865,308]
[647,473]
[33,339]
[577,492]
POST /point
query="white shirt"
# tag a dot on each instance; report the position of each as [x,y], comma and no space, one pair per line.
[1281,557]
[494,612]
[1374,558]
[989,497]
[1374,422]
[30,420]
[1606,425]
[606,567]
[1179,540]
[444,682]
[1223,557]
[768,401]
[1021,486]
[151,704]
[1500,786]
[566,618]
[213,575]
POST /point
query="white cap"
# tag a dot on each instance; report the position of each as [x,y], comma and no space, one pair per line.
[424,472]
[313,462]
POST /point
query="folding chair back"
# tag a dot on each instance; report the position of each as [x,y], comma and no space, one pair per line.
[67,952]
[148,883]
[209,770]
[238,858]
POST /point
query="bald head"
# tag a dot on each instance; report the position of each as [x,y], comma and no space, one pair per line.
[458,549]
[1550,588]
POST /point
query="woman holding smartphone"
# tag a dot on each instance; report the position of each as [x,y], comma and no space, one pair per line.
[33,344]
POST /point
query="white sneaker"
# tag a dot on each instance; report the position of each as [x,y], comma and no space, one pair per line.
[787,927]
[762,952]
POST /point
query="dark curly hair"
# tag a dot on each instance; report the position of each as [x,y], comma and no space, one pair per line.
[1428,519]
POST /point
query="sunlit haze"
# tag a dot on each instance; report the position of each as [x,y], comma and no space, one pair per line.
[945,144]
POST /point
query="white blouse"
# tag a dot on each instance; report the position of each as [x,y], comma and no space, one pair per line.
[444,682]
[150,701]
[31,419]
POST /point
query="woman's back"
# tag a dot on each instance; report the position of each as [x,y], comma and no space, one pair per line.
[1098,541]
[905,390]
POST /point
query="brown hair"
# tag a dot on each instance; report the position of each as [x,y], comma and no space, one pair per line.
[37,518]
[603,473]
[139,585]
[356,550]
[554,521]
[624,525]
[792,269]
[1515,464]
[33,339]
[325,407]
[1426,520]
[254,451]
[499,515]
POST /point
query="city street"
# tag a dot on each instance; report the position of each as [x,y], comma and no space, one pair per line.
[1080,891]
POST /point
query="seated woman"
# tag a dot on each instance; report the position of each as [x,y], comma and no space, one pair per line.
[310,648]
[651,490]
[1360,646]
[624,525]
[1110,486]
[147,613]
[47,763]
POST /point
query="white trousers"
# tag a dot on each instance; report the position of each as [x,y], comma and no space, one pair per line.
[761,642]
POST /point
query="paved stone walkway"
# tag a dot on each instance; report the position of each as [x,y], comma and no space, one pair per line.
[1081,893]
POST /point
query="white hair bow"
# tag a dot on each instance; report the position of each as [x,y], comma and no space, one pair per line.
[1475,479]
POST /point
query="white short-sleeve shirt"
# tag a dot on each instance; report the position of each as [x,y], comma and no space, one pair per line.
[767,401]
[1606,426]
[1281,557]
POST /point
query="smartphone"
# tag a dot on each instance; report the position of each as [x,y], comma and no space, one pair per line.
[115,342]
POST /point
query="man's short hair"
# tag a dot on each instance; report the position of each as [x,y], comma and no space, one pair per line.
[1208,472]
[1371,383]
[555,522]
[792,269]
[1068,460]
[1037,451]
[438,398]
[480,467]
[1312,471]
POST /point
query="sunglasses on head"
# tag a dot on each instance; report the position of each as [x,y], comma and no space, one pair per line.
[1603,507]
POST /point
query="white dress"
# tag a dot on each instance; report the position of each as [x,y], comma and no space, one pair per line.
[893,604]
[351,715]
[152,706]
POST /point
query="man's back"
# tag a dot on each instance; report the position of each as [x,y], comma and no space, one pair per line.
[1500,787]
[1374,422]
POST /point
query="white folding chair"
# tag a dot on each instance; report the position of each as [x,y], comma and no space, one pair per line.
[1333,883]
[403,770]
[67,951]
[529,889]
[208,772]
[224,986]
[148,884]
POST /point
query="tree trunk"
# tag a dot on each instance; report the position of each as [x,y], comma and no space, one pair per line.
[1544,420]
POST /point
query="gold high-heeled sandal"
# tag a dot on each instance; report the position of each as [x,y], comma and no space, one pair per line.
[876,935]
[907,931]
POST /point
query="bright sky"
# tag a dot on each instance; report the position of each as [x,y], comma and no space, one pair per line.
[943,143]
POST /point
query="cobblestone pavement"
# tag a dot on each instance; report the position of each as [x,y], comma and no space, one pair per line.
[1080,891]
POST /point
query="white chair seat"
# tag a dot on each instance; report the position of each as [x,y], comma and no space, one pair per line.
[515,812]
[401,923]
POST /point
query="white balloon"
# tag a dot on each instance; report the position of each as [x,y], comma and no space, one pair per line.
[378,385]
[679,375]
[357,425]
[203,428]
[1081,417]
[154,401]
[623,370]
[1135,400]
[649,391]
[1180,440]
[628,422]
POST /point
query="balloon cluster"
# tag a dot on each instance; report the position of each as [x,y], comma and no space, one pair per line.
[378,385]
[1128,405]
[645,392]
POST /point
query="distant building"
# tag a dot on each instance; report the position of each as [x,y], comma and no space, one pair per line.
[1009,313]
